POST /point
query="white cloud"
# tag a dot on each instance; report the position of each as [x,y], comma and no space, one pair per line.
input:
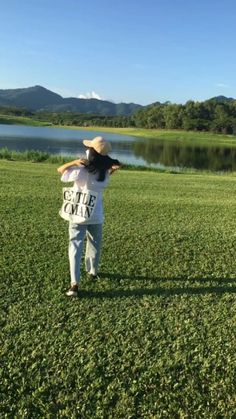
[90,95]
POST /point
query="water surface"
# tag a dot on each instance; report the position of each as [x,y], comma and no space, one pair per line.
[65,141]
[128,149]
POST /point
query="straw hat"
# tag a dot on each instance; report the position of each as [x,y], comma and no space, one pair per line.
[99,144]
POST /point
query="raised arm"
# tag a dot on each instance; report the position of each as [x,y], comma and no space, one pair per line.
[64,167]
[114,167]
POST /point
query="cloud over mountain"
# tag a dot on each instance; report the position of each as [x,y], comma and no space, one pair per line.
[38,98]
[90,95]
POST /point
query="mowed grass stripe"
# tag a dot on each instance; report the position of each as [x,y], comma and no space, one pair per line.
[155,336]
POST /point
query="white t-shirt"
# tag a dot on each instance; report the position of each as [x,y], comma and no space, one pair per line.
[81,177]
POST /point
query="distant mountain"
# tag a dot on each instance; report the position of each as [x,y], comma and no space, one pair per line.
[222,99]
[37,98]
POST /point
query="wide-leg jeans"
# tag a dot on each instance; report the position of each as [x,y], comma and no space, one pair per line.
[77,234]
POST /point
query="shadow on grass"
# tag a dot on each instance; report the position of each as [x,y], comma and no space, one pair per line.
[119,277]
[208,285]
[158,292]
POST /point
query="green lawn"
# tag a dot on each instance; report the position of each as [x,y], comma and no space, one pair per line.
[154,337]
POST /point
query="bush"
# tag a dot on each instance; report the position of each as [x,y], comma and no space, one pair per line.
[35,156]
[5,153]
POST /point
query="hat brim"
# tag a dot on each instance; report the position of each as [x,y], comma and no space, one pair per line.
[101,147]
[87,143]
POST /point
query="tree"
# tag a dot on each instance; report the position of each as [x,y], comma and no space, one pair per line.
[173,116]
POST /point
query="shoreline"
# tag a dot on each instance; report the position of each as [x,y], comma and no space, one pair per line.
[177,136]
[40,157]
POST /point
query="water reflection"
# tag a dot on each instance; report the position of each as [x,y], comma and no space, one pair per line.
[186,156]
[63,141]
[127,149]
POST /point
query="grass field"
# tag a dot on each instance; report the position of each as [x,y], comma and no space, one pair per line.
[154,337]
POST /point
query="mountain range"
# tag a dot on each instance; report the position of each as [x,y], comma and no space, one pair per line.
[38,98]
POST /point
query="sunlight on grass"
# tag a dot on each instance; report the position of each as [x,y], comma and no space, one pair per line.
[154,336]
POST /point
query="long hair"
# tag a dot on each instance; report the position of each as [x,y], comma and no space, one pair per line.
[96,163]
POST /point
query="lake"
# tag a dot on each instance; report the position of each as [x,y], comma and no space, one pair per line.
[65,141]
[127,149]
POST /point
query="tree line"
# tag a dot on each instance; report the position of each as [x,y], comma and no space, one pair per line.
[211,115]
[84,120]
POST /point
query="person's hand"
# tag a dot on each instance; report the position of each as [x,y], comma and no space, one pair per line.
[81,162]
[114,168]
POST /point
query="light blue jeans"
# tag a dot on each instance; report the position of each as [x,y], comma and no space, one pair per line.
[77,233]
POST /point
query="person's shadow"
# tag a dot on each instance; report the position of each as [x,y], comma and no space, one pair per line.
[208,285]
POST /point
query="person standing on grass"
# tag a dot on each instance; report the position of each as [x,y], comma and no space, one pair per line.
[83,206]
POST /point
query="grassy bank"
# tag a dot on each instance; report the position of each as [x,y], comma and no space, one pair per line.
[22,120]
[190,137]
[37,156]
[154,336]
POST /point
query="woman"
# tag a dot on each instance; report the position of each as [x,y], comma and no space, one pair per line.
[83,206]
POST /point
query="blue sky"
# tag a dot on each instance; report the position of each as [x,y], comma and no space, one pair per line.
[138,51]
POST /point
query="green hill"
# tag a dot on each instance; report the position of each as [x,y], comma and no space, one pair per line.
[37,98]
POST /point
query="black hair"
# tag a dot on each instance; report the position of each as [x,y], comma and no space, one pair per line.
[99,164]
